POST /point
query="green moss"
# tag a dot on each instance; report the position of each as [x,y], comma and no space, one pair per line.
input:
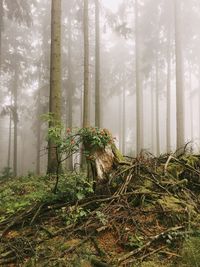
[190,253]
[118,155]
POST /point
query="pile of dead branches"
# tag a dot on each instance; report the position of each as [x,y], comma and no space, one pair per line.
[150,206]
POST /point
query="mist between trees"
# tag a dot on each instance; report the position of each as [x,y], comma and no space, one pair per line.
[131,66]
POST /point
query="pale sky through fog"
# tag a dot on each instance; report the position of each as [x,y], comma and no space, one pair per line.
[112,4]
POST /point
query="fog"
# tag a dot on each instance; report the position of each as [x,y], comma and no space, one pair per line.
[143,59]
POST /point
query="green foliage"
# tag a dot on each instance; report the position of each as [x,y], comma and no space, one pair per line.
[73,187]
[67,141]
[95,137]
[18,194]
[101,217]
[74,215]
[135,241]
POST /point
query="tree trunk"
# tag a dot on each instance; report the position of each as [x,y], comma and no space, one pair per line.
[86,98]
[123,120]
[55,80]
[179,77]
[69,121]
[9,139]
[15,120]
[168,111]
[157,110]
[152,111]
[39,113]
[191,104]
[139,93]
[199,99]
[120,121]
[1,30]
[97,66]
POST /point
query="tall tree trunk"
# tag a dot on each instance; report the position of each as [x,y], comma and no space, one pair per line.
[1,30]
[15,120]
[139,93]
[120,121]
[199,98]
[55,80]
[157,110]
[39,113]
[152,111]
[97,66]
[86,99]
[168,110]
[123,121]
[191,103]
[9,139]
[69,121]
[179,77]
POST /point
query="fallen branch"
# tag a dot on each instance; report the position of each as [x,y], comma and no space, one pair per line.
[148,244]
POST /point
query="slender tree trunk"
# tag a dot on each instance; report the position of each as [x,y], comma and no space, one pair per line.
[15,120]
[152,111]
[191,104]
[199,99]
[168,111]
[123,121]
[139,93]
[120,121]
[1,30]
[97,66]
[179,77]
[38,145]
[55,80]
[157,111]
[69,122]
[86,99]
[22,150]
[9,140]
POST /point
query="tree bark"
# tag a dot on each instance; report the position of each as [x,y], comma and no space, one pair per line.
[55,80]
[179,77]
[123,120]
[139,93]
[168,111]
[9,139]
[97,67]
[157,110]
[1,30]
[152,111]
[191,103]
[15,120]
[86,99]
[39,113]
[102,162]
[69,121]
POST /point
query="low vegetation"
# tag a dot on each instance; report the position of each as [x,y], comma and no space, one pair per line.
[145,212]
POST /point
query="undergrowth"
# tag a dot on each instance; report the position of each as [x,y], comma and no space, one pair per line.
[16,194]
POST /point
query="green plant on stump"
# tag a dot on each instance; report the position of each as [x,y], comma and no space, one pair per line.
[95,138]
[68,142]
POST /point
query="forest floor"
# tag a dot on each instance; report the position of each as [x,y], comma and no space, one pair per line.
[148,217]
